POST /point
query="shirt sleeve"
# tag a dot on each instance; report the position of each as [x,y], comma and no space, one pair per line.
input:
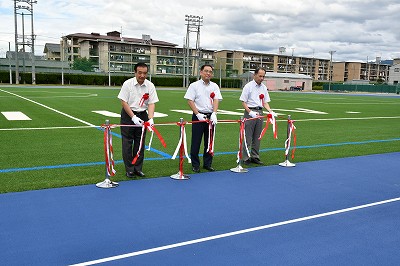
[153,97]
[190,93]
[124,92]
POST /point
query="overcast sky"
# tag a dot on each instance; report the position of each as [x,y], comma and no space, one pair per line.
[355,29]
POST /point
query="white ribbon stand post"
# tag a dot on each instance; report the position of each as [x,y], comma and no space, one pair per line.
[287,163]
[182,149]
[239,168]
[107,183]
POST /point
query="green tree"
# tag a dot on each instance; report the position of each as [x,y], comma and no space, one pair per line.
[83,64]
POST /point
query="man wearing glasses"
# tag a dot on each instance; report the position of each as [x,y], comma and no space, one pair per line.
[138,97]
[203,98]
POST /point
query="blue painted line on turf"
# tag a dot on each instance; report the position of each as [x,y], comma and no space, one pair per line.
[169,156]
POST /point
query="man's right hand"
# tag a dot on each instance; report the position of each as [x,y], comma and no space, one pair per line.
[253,114]
[201,117]
[137,121]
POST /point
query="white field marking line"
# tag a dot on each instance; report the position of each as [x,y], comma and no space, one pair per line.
[347,118]
[52,109]
[234,233]
[45,128]
[222,122]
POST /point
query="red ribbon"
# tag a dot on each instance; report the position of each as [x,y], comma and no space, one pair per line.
[270,120]
[146,125]
[211,131]
[293,129]
[144,98]
[108,151]
[241,137]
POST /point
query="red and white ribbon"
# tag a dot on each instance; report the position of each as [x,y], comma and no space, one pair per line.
[292,130]
[211,138]
[182,146]
[242,141]
[108,152]
[146,126]
[144,98]
[270,120]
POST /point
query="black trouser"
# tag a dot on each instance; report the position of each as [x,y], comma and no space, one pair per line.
[132,135]
[198,130]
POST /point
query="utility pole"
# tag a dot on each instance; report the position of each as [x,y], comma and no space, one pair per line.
[193,24]
[330,70]
[9,61]
[22,8]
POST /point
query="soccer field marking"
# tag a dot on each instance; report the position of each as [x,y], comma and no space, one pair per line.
[112,114]
[166,156]
[172,124]
[235,233]
[16,116]
[51,109]
[298,110]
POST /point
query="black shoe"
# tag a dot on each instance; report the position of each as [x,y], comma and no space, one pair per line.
[139,173]
[247,162]
[209,168]
[256,161]
[130,175]
[196,169]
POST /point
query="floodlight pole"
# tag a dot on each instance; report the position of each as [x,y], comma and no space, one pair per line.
[193,24]
[9,61]
[330,70]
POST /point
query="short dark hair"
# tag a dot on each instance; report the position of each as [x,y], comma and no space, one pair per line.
[140,64]
[258,69]
[203,66]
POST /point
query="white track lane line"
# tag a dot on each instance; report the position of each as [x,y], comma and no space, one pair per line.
[47,107]
[244,231]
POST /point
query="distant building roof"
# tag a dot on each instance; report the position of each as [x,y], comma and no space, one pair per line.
[116,36]
[52,48]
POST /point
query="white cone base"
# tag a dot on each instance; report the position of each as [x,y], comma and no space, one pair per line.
[239,169]
[287,164]
[180,176]
[107,184]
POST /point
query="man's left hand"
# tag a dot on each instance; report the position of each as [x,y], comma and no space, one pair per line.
[213,118]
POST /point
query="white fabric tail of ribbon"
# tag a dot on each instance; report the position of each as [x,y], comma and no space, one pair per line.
[109,149]
[211,135]
[182,139]
[287,142]
[151,140]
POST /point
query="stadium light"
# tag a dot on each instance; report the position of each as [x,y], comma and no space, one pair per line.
[330,70]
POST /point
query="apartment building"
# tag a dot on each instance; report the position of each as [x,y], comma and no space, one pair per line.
[117,54]
[348,71]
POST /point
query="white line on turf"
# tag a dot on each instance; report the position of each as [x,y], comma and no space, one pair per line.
[239,232]
[173,124]
[47,107]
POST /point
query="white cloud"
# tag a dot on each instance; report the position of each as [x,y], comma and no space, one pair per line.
[355,29]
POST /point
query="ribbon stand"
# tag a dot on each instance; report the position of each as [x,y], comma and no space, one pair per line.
[180,175]
[239,168]
[287,163]
[107,183]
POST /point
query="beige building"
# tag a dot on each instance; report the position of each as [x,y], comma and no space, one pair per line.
[112,53]
[348,71]
[394,74]
[118,54]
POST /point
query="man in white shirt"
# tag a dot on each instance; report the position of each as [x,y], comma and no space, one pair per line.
[203,98]
[138,97]
[254,98]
